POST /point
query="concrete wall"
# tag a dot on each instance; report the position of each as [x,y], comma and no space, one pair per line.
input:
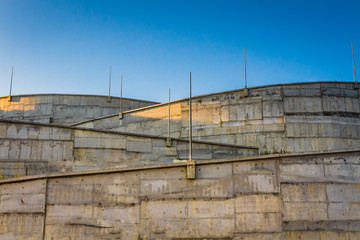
[296,196]
[29,149]
[63,109]
[290,117]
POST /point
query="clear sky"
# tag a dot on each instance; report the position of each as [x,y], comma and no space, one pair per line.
[67,46]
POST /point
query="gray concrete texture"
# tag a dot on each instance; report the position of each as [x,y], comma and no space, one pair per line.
[30,149]
[300,117]
[62,108]
[291,196]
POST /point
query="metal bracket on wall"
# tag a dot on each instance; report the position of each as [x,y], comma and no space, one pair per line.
[246,92]
[168,142]
[120,115]
[190,170]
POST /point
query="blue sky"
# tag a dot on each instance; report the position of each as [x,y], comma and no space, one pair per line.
[68,46]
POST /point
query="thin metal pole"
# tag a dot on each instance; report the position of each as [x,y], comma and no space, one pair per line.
[109,84]
[169,116]
[190,125]
[245,67]
[121,96]
[12,74]
[353,61]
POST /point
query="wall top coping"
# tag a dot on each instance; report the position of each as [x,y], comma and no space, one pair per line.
[218,93]
[172,165]
[74,95]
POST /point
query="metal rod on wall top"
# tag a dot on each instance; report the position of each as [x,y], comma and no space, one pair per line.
[352,48]
[12,75]
[169,117]
[121,95]
[190,125]
[245,67]
[109,99]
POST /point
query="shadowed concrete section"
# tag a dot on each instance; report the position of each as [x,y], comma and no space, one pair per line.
[63,108]
[300,117]
[290,196]
[30,149]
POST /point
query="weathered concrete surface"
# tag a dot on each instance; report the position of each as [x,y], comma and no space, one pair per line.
[260,197]
[297,117]
[30,149]
[62,108]
[22,210]
[291,196]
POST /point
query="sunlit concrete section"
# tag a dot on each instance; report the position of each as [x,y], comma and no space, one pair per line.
[28,149]
[62,108]
[286,196]
[299,117]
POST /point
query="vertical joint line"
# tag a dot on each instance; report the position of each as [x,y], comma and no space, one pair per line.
[45,207]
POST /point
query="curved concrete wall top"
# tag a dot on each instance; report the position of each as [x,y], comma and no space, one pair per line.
[63,108]
[300,117]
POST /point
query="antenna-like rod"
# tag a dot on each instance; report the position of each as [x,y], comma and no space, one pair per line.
[12,74]
[121,96]
[245,66]
[352,48]
[109,99]
[169,117]
[190,125]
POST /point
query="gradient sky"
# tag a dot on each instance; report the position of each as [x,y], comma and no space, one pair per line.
[67,46]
